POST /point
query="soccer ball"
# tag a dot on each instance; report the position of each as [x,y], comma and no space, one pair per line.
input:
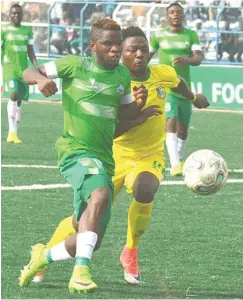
[205,172]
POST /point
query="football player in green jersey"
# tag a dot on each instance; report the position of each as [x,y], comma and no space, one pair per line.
[179,47]
[17,44]
[93,90]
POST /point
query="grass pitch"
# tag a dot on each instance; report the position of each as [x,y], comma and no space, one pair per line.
[194,245]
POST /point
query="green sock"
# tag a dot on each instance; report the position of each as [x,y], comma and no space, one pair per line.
[82,261]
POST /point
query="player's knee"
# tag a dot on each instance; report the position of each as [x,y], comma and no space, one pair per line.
[171,124]
[182,131]
[145,187]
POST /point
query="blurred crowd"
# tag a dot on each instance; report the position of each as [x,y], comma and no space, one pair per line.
[64,23]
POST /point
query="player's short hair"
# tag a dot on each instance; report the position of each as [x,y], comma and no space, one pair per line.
[100,26]
[16,6]
[174,4]
[133,31]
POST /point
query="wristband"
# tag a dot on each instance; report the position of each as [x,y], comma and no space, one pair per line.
[194,99]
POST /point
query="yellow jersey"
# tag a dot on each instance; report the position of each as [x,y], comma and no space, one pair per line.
[150,136]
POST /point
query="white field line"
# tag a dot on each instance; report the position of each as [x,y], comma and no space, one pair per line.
[55,167]
[59,185]
[30,166]
[234,111]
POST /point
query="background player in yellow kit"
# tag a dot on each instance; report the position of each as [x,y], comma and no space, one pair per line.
[138,150]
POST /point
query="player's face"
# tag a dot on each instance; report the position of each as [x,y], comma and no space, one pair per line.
[135,55]
[175,16]
[107,49]
[16,15]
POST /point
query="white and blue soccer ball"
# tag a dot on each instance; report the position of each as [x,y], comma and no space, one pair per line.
[205,172]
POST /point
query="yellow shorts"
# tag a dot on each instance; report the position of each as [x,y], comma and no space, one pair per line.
[127,169]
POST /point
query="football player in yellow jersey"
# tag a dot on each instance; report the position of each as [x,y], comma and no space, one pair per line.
[138,148]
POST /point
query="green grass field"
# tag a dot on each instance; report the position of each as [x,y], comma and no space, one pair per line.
[193,248]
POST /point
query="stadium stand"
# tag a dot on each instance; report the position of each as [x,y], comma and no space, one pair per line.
[62,27]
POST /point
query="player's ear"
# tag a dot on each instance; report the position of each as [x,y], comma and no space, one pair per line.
[92,45]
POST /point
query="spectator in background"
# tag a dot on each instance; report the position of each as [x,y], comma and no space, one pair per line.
[98,14]
[239,43]
[58,38]
[213,11]
[204,37]
[109,9]
[227,43]
[162,23]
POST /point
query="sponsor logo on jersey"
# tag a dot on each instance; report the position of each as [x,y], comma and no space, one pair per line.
[161,92]
[93,83]
[120,89]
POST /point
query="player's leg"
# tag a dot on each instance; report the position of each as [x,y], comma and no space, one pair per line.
[66,227]
[13,91]
[184,118]
[92,203]
[143,181]
[171,137]
[92,224]
[23,95]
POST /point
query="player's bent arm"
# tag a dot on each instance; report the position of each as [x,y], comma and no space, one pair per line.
[198,100]
[196,58]
[31,55]
[34,74]
[123,127]
[130,109]
[37,75]
[184,90]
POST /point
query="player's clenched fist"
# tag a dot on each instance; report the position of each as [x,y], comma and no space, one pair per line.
[140,94]
[47,86]
[201,101]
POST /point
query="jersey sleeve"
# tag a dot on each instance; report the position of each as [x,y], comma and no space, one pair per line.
[64,67]
[154,44]
[169,75]
[127,97]
[30,36]
[195,43]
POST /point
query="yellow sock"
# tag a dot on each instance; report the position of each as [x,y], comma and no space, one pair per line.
[139,216]
[64,230]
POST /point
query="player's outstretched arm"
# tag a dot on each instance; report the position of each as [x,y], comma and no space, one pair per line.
[194,60]
[198,100]
[31,54]
[37,75]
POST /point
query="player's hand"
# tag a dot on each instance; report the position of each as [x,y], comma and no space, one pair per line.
[47,86]
[201,102]
[181,61]
[140,94]
[148,112]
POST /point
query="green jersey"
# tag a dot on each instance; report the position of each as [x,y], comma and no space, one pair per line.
[15,41]
[91,97]
[171,45]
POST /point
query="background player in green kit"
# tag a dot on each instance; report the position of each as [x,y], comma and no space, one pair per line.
[179,47]
[94,88]
[17,44]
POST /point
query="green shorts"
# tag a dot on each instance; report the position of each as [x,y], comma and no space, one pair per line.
[85,173]
[17,86]
[180,108]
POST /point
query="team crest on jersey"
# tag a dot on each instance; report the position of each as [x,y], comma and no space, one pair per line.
[161,92]
[120,89]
